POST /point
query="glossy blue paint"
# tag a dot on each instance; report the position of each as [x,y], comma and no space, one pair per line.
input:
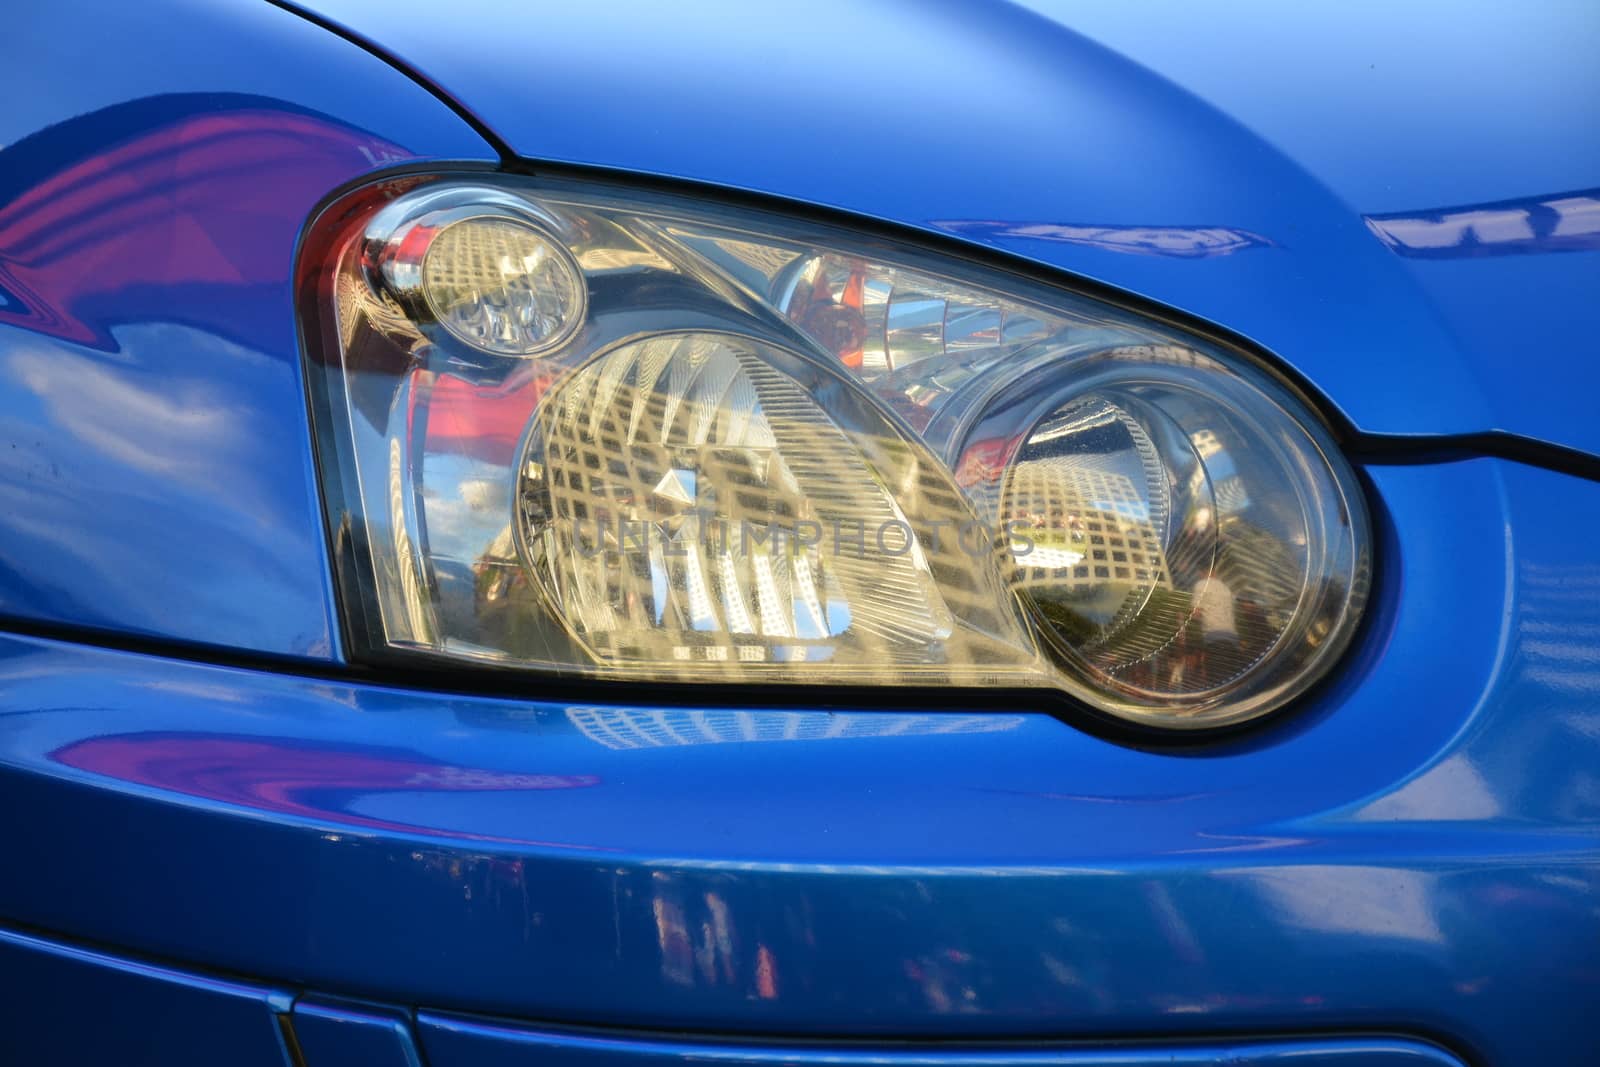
[456,1042]
[65,1006]
[332,1034]
[156,476]
[142,1014]
[1391,107]
[1219,161]
[1414,852]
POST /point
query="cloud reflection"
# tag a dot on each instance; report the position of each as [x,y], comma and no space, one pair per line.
[1560,222]
[1180,242]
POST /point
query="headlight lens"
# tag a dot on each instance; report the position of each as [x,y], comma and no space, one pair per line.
[568,429]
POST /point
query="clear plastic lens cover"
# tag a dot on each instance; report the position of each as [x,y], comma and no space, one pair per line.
[571,429]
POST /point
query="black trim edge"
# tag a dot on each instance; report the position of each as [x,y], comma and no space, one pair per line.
[391,59]
[1387,450]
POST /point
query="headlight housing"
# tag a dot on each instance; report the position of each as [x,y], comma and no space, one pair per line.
[574,429]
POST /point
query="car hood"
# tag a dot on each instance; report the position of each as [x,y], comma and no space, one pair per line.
[1402,204]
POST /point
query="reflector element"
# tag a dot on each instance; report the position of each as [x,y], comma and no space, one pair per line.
[680,497]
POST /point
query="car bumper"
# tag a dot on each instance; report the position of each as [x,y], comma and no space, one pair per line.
[74,1005]
[1415,853]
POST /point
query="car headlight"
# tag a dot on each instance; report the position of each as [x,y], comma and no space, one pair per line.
[574,429]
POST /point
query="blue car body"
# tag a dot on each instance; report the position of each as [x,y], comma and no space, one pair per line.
[227,843]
